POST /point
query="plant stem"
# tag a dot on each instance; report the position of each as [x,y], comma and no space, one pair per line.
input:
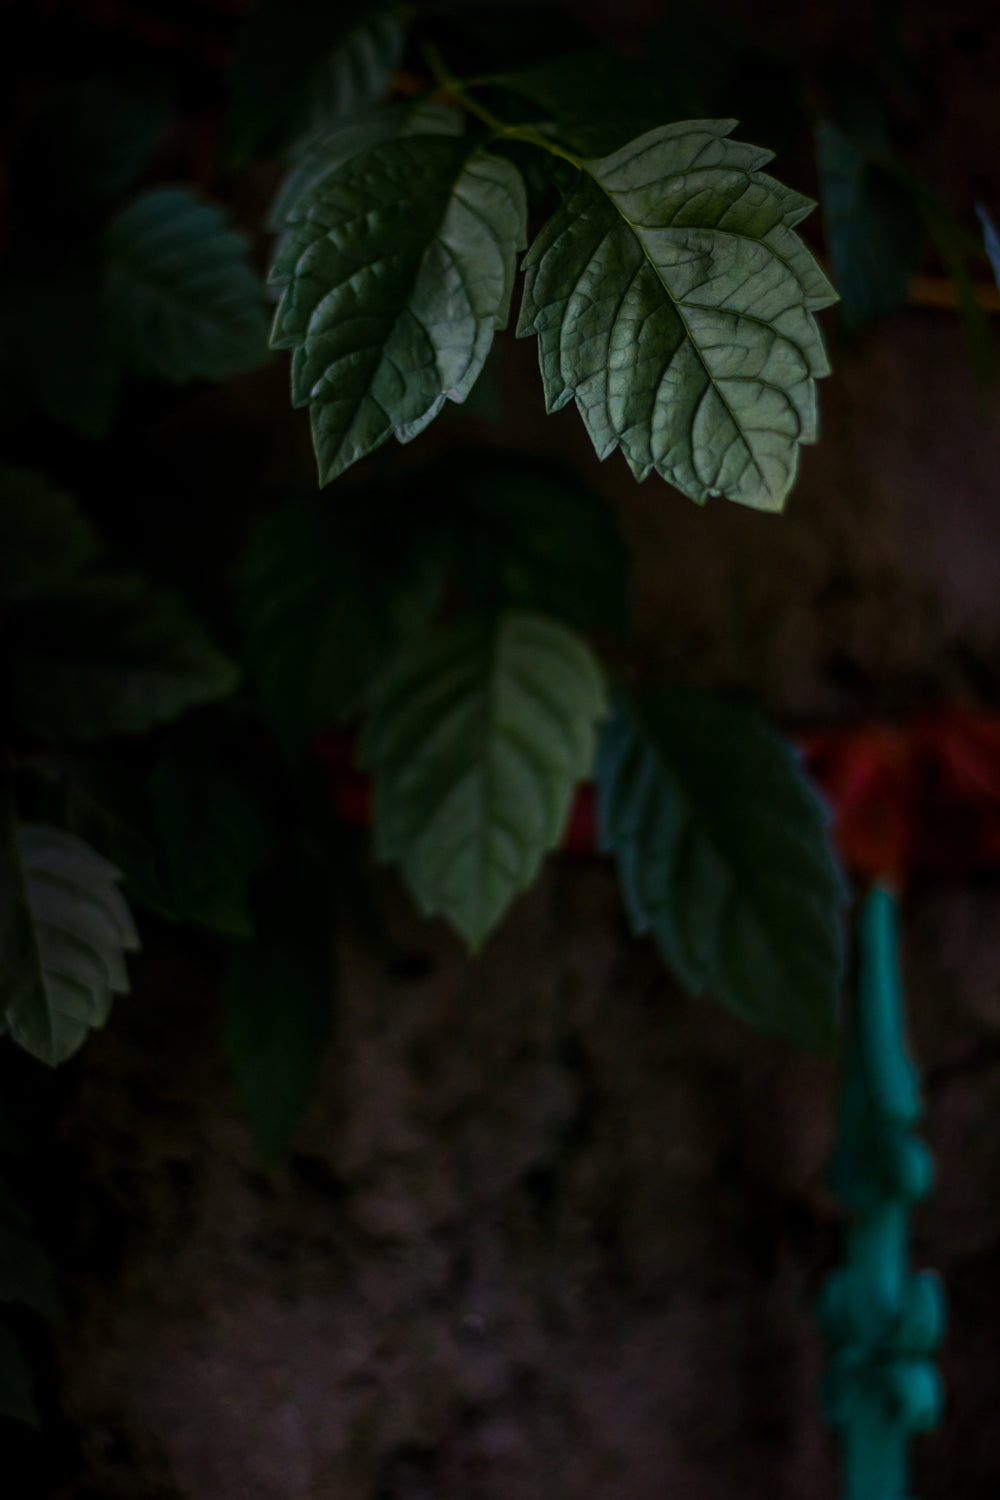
[460,93]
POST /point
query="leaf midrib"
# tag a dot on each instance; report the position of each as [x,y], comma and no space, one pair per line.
[677,305]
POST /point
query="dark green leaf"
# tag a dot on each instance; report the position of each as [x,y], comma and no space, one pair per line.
[404,261]
[65,931]
[62,340]
[109,656]
[212,839]
[280,992]
[535,537]
[723,854]
[86,145]
[26,1271]
[44,539]
[102,799]
[874,228]
[329,591]
[358,72]
[184,301]
[17,1383]
[674,302]
[599,100]
[281,52]
[477,737]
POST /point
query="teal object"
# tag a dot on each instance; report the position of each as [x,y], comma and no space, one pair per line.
[882,1323]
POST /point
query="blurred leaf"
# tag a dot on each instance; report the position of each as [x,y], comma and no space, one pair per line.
[184,301]
[212,838]
[476,738]
[950,242]
[328,592]
[358,72]
[599,100]
[17,1384]
[674,302]
[65,931]
[874,226]
[991,240]
[280,991]
[25,1270]
[723,854]
[532,536]
[44,538]
[282,50]
[86,145]
[403,263]
[63,348]
[109,655]
[103,800]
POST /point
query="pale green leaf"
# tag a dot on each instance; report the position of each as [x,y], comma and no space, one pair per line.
[674,301]
[183,299]
[65,930]
[477,737]
[329,147]
[724,856]
[44,538]
[280,990]
[404,261]
[109,655]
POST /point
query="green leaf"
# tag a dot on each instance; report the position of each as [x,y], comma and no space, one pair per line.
[65,930]
[183,298]
[358,72]
[404,261]
[44,538]
[477,737]
[534,537]
[17,1383]
[280,990]
[109,655]
[328,592]
[674,303]
[723,854]
[328,148]
[874,228]
[212,838]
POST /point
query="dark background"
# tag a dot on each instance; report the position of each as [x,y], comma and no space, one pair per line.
[550,1227]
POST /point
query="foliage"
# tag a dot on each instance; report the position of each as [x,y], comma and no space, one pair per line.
[465,612]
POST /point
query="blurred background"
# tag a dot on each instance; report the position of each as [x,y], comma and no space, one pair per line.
[548,1225]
